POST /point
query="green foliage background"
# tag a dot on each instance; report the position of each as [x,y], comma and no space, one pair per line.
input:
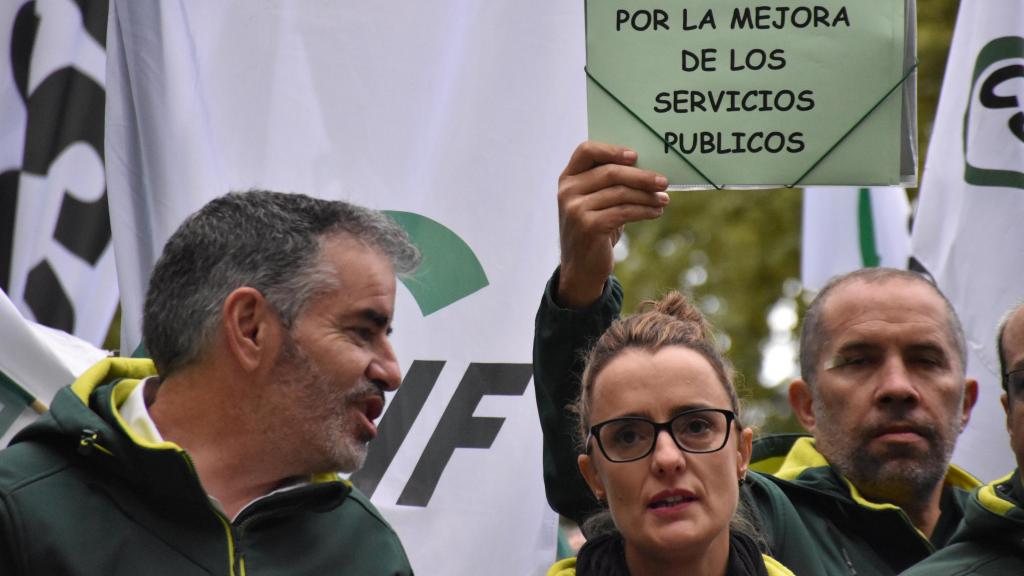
[734,251]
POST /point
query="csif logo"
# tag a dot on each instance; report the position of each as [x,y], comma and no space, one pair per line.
[449,272]
[994,120]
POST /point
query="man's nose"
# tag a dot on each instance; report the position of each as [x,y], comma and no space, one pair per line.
[896,384]
[384,369]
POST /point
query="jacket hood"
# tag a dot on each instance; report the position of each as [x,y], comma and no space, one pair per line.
[994,514]
[84,418]
[90,404]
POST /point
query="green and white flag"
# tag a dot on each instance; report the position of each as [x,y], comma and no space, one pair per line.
[845,229]
[968,231]
[457,117]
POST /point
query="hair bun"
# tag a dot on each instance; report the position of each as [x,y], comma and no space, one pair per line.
[677,306]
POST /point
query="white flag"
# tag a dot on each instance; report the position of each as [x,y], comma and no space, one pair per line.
[968,233]
[56,255]
[845,229]
[456,116]
[35,362]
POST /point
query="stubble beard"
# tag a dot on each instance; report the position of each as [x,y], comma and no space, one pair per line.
[903,475]
[333,439]
[340,439]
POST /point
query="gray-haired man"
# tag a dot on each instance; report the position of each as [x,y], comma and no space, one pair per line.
[267,318]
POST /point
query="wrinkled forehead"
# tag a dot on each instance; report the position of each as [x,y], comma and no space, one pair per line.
[894,312]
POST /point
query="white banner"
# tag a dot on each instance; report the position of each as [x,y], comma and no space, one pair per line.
[458,115]
[845,229]
[968,230]
[56,257]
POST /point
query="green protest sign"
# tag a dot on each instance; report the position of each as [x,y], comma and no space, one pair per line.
[738,93]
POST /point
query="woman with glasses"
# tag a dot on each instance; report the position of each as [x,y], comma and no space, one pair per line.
[664,449]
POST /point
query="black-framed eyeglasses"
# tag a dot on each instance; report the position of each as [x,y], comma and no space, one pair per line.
[1013,382]
[698,431]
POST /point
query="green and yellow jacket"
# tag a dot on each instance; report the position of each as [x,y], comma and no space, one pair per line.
[990,540]
[813,519]
[852,534]
[81,495]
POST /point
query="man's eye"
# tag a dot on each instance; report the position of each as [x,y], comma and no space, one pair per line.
[847,362]
[1015,385]
[363,333]
[929,361]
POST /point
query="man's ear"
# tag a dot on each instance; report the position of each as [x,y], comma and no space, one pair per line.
[970,399]
[802,401]
[251,329]
[1005,401]
[586,464]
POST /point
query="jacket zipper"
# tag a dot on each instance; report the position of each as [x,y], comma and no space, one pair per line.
[89,441]
[839,541]
[234,553]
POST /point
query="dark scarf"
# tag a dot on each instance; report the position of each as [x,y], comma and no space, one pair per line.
[606,556]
